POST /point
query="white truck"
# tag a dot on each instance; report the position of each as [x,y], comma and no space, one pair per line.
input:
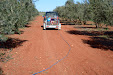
[51,20]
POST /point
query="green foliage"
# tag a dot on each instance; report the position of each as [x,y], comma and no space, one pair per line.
[3,38]
[99,11]
[102,12]
[74,11]
[15,14]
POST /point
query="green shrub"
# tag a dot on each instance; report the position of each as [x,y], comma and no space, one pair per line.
[15,14]
[99,11]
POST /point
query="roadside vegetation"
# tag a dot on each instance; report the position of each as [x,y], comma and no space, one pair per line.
[14,14]
[98,11]
[93,18]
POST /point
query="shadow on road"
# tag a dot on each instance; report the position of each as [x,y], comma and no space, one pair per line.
[98,39]
[49,28]
[84,27]
[11,43]
[101,43]
[91,33]
[27,26]
[67,23]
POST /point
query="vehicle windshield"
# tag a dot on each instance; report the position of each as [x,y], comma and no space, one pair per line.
[51,14]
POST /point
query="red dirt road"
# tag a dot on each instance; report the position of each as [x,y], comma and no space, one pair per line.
[45,47]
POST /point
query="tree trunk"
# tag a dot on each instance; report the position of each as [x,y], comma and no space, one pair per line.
[96,25]
[84,22]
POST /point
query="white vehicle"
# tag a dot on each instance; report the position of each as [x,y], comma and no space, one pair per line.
[51,20]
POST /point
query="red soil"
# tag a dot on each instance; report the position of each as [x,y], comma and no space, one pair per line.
[45,47]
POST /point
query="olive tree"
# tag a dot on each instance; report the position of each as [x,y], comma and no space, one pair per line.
[15,14]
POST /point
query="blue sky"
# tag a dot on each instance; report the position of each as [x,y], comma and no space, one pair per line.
[49,5]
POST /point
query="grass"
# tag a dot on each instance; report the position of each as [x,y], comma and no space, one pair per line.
[101,38]
[1,54]
[5,56]
[104,36]
[90,28]
[1,72]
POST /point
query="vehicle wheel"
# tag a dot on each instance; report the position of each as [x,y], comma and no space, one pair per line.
[44,27]
[59,28]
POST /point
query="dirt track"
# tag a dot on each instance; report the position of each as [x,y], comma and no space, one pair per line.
[45,47]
